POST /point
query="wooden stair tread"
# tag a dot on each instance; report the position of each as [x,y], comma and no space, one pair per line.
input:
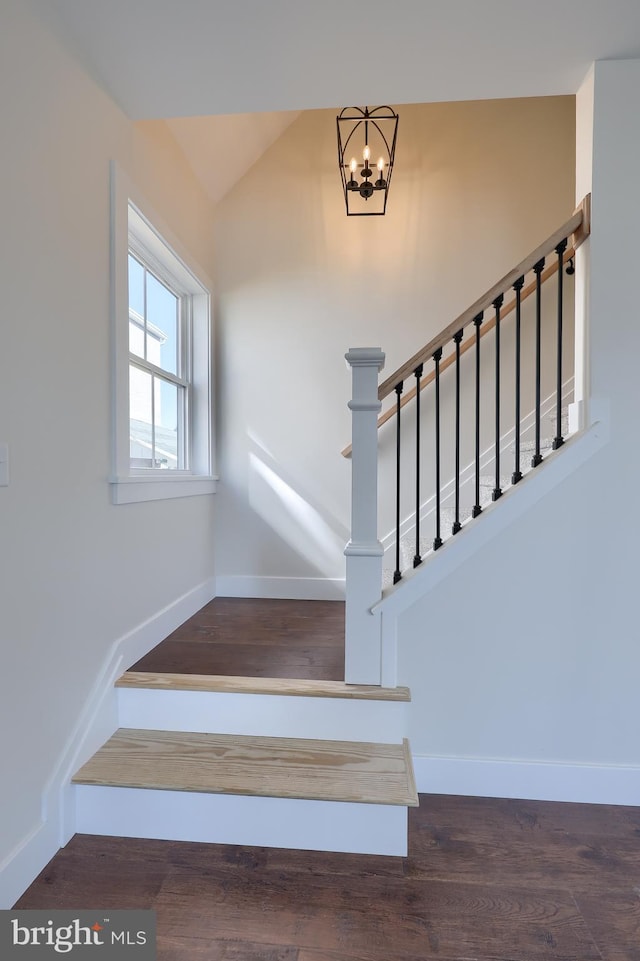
[222,683]
[259,766]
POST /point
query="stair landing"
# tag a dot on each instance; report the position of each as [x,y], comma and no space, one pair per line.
[259,637]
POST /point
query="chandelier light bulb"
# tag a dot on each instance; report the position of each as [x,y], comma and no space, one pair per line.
[366,153]
[381,165]
[353,166]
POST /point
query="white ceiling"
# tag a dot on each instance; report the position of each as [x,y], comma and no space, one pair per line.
[186,59]
[176,58]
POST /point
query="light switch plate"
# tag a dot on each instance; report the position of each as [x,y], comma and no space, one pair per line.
[4,465]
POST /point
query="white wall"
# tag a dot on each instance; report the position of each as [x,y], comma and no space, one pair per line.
[476,187]
[77,573]
[530,652]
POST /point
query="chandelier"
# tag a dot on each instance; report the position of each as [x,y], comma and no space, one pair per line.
[366,151]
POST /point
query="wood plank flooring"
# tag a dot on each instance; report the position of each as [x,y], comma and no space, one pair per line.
[254,766]
[488,880]
[255,637]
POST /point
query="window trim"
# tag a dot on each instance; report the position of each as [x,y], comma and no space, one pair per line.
[132,215]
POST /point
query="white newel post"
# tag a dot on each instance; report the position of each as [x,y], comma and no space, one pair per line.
[364,551]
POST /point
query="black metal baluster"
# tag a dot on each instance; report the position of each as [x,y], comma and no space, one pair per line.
[456,522]
[537,269]
[397,574]
[477,509]
[558,440]
[497,490]
[417,559]
[437,541]
[517,473]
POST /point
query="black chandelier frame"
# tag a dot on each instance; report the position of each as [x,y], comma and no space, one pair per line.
[349,121]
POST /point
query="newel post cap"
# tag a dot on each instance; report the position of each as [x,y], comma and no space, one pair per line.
[365,357]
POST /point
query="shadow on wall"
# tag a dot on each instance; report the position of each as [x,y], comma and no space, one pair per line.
[292,515]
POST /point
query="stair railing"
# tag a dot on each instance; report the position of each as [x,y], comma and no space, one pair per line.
[424,368]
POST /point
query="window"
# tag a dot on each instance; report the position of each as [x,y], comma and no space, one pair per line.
[158,371]
[162,360]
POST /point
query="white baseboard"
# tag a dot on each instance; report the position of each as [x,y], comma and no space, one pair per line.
[26,861]
[530,780]
[97,720]
[139,641]
[282,588]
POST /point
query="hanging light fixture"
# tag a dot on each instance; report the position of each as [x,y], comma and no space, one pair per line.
[364,133]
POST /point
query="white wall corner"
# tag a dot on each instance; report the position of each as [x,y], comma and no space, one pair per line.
[98,719]
[579,413]
[584,135]
[26,861]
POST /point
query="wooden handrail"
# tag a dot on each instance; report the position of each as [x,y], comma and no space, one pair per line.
[579,225]
[466,345]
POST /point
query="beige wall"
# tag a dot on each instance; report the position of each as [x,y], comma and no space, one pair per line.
[476,187]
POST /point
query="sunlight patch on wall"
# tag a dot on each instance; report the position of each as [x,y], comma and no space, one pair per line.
[293,518]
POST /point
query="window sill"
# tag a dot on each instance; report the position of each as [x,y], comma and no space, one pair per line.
[136,488]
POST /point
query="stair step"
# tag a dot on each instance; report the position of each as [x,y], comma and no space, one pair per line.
[564,420]
[529,446]
[272,707]
[489,480]
[229,789]
[288,687]
[257,766]
[448,514]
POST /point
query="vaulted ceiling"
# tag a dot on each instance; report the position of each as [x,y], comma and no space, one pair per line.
[221,149]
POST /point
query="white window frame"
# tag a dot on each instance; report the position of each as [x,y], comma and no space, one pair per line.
[135,226]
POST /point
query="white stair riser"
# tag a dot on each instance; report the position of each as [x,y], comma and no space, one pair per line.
[268,715]
[237,819]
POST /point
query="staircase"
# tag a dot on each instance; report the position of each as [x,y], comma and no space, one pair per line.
[323,765]
[212,759]
[445,407]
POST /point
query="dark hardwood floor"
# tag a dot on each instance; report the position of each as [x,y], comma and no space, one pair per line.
[489,880]
[254,637]
[485,880]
